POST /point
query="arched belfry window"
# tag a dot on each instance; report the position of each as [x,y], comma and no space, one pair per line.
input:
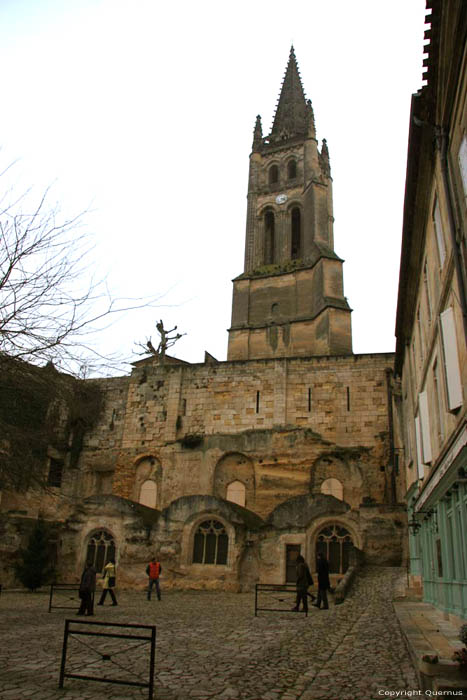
[333,487]
[101,549]
[292,169]
[335,542]
[273,174]
[296,225]
[211,543]
[269,237]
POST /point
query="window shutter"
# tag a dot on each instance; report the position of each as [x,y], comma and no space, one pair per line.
[439,235]
[425,426]
[418,442]
[451,359]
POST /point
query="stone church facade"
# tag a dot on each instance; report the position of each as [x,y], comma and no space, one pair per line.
[228,470]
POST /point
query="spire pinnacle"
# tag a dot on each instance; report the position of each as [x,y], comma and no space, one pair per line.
[258,134]
[292,114]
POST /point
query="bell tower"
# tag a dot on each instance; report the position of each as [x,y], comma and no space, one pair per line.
[289,299]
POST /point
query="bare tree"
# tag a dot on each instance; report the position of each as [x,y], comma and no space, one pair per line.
[48,303]
[166,341]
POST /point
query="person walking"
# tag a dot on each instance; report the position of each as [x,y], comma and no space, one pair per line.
[322,568]
[153,570]
[109,582]
[304,580]
[87,587]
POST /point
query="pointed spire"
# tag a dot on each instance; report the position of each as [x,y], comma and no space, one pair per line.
[258,134]
[324,159]
[291,118]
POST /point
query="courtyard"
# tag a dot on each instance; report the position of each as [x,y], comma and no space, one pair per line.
[211,646]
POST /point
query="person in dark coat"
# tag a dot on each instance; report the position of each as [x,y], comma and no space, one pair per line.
[303,581]
[87,587]
[322,568]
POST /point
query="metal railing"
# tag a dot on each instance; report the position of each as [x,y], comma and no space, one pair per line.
[282,596]
[99,653]
[64,592]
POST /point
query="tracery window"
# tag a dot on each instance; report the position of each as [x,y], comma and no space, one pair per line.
[335,542]
[101,549]
[211,543]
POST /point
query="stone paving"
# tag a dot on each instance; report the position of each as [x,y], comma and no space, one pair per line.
[211,647]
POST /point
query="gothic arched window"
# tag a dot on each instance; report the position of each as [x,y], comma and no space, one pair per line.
[236,493]
[101,549]
[333,487]
[269,237]
[273,174]
[148,494]
[335,542]
[296,248]
[292,169]
[211,543]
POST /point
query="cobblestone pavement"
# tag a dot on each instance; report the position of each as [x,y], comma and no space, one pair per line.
[210,646]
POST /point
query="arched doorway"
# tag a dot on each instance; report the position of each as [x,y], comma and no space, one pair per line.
[335,543]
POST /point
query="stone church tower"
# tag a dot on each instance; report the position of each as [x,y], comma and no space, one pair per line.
[289,299]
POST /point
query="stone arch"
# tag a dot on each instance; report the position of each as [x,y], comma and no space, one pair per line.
[336,467]
[339,527]
[148,470]
[232,467]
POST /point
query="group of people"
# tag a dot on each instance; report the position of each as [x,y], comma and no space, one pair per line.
[87,584]
[304,580]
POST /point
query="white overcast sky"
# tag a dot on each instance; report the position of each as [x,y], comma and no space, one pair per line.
[143,112]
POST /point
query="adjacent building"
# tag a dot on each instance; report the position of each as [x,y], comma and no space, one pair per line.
[431,357]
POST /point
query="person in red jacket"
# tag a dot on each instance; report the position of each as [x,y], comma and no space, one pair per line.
[153,570]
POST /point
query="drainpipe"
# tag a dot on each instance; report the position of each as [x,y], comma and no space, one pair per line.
[391,462]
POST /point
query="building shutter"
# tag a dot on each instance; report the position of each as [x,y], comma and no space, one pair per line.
[425,427]
[418,442]
[439,235]
[451,359]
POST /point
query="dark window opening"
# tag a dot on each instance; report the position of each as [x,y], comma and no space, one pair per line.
[273,174]
[211,543]
[257,402]
[291,553]
[348,398]
[269,229]
[292,169]
[309,400]
[296,235]
[55,472]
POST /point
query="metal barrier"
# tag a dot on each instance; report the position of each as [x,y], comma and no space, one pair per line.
[274,593]
[100,657]
[64,590]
